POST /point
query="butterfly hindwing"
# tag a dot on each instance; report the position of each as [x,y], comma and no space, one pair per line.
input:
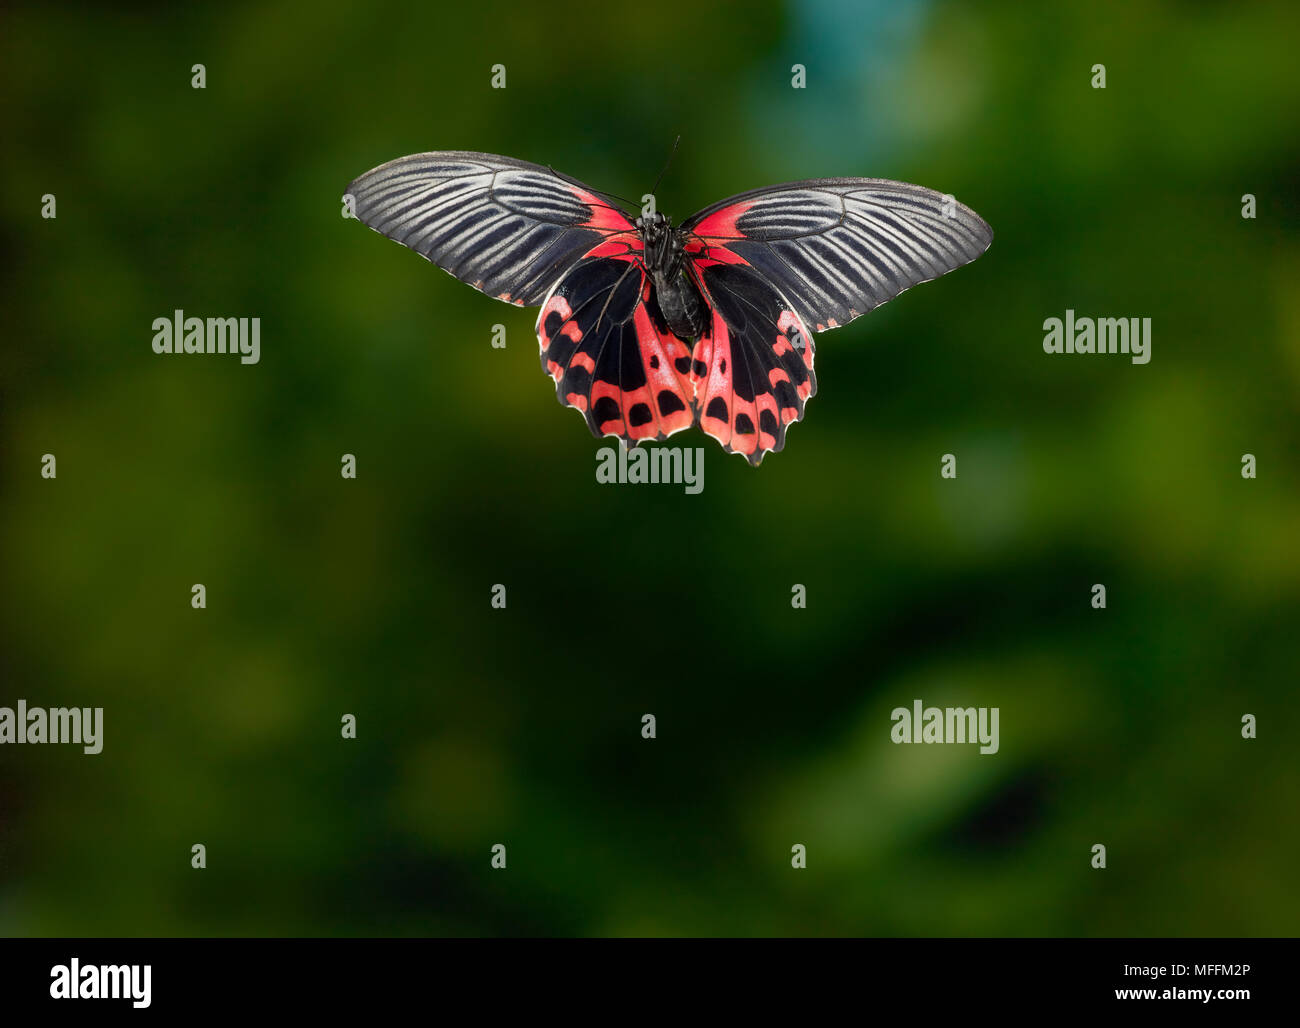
[836,248]
[752,370]
[506,227]
[604,343]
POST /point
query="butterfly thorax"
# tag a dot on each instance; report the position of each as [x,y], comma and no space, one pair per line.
[665,258]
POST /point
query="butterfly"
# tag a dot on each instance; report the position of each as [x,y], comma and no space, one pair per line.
[649,329]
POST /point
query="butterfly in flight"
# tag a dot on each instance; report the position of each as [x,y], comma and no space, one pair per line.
[648,329]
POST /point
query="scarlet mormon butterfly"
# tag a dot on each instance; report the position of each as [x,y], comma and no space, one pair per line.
[648,329]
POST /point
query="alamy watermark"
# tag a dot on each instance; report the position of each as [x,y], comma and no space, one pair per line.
[179,334]
[102,981]
[922,724]
[661,465]
[80,726]
[1098,335]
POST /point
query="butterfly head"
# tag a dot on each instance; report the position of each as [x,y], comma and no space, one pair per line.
[653,225]
[663,246]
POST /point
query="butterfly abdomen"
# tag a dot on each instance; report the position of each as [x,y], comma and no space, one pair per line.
[681,304]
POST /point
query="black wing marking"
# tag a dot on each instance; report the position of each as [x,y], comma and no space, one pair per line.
[752,369]
[838,247]
[505,227]
[604,343]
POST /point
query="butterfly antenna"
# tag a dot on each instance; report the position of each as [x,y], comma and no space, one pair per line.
[667,164]
[599,192]
[614,196]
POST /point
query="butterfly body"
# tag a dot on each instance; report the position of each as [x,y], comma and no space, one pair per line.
[675,294]
[647,328]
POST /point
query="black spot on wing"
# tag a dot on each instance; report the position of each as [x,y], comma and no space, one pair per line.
[603,410]
[786,396]
[669,402]
[576,380]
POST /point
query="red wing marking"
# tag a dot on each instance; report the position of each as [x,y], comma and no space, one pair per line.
[608,356]
[722,224]
[752,368]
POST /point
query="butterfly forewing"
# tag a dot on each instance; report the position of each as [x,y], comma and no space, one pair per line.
[505,227]
[836,248]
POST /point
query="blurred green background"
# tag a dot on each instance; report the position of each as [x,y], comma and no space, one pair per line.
[479,726]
